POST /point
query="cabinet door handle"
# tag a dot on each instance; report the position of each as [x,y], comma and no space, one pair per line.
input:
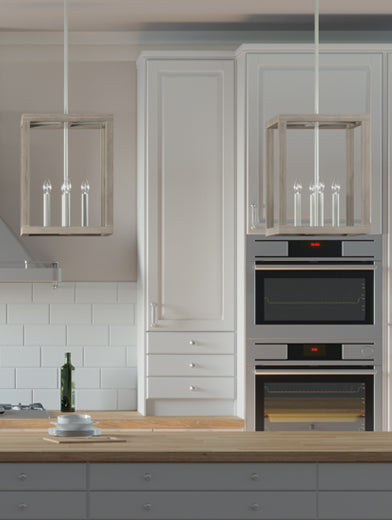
[255,476]
[192,342]
[22,477]
[22,507]
[147,507]
[153,314]
[255,507]
[193,388]
[253,220]
[147,476]
[192,365]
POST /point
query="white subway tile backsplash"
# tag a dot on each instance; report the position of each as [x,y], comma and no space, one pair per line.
[122,335]
[88,335]
[93,321]
[127,399]
[70,313]
[16,292]
[19,357]
[50,398]
[118,378]
[15,396]
[104,357]
[36,378]
[96,292]
[11,335]
[7,378]
[127,292]
[27,313]
[114,313]
[96,399]
[41,335]
[87,378]
[55,356]
[47,293]
[131,357]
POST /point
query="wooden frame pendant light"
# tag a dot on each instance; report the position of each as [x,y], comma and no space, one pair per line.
[66,123]
[357,216]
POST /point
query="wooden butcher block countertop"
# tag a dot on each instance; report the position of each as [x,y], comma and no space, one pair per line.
[30,446]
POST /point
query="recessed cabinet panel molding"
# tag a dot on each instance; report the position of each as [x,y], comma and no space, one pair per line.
[280,80]
[190,198]
[188,365]
[190,388]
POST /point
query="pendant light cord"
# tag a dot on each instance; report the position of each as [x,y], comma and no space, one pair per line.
[66,45]
[316,95]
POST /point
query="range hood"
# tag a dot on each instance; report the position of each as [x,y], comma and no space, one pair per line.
[16,265]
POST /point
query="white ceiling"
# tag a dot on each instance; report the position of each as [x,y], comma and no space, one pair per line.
[122,15]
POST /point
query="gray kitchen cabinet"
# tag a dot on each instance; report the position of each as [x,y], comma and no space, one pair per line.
[279,79]
[203,491]
[40,491]
[186,216]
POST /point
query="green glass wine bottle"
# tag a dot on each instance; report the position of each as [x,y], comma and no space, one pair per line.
[67,385]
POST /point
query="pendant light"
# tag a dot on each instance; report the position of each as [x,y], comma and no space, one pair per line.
[68,123]
[277,220]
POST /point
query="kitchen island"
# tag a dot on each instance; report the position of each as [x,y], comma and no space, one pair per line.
[197,475]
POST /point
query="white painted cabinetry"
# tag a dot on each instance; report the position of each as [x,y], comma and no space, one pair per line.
[280,80]
[186,232]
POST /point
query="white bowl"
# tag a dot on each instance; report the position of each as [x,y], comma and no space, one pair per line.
[74,418]
[74,426]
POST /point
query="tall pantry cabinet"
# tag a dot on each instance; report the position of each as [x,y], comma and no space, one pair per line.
[186,230]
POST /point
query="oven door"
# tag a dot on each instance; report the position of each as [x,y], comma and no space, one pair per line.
[314,294]
[314,399]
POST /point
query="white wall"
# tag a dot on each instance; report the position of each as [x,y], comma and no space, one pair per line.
[93,321]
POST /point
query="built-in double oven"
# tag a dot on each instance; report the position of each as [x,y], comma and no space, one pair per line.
[314,328]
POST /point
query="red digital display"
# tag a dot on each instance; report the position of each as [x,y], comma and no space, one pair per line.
[314,349]
[314,244]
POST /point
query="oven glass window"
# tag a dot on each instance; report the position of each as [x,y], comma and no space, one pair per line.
[312,297]
[321,403]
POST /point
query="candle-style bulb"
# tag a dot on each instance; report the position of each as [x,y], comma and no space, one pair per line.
[46,188]
[66,203]
[85,188]
[335,189]
[297,188]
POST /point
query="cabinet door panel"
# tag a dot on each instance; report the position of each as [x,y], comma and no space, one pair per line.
[42,476]
[283,83]
[41,505]
[190,388]
[352,505]
[188,365]
[356,477]
[190,204]
[206,476]
[190,343]
[168,505]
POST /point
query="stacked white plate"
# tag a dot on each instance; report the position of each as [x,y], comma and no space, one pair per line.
[74,425]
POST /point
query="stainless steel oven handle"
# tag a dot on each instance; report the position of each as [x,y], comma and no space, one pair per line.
[293,372]
[325,267]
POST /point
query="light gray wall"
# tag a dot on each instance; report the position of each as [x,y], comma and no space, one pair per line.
[94,87]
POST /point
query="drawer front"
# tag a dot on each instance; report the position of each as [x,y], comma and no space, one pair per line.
[195,365]
[40,505]
[190,343]
[190,388]
[356,477]
[222,505]
[205,476]
[42,476]
[355,505]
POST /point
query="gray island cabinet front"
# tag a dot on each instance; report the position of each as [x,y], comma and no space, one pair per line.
[195,491]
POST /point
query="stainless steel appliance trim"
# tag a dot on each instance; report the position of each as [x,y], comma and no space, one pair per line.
[326,267]
[329,372]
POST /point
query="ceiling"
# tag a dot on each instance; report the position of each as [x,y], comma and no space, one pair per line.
[123,15]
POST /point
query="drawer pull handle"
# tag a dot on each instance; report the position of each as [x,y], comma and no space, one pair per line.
[147,507]
[192,365]
[147,476]
[192,342]
[22,507]
[255,476]
[193,388]
[22,477]
[255,507]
